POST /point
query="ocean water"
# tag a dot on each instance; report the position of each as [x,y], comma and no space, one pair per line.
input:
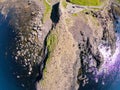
[8,80]
[108,78]
[116,83]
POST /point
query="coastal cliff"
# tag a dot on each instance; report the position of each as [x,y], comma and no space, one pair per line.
[60,45]
[77,56]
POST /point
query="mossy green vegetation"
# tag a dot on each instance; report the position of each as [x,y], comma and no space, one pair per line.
[64,3]
[86,2]
[74,14]
[51,42]
[118,1]
[48,8]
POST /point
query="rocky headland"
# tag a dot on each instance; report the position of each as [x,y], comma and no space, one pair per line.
[57,47]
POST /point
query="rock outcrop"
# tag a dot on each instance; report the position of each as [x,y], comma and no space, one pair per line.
[55,49]
[85,33]
[26,20]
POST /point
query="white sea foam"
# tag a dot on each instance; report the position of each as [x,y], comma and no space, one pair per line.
[109,59]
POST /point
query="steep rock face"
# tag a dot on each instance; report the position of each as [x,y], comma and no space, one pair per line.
[59,72]
[115,10]
[26,19]
[62,52]
[77,56]
[94,30]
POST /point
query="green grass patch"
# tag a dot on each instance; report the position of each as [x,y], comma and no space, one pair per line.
[64,4]
[51,42]
[118,1]
[86,2]
[74,14]
[48,8]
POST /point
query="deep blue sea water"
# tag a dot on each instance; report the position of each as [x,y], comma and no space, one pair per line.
[116,83]
[7,79]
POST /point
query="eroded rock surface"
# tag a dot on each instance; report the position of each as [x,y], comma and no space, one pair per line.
[25,17]
[58,50]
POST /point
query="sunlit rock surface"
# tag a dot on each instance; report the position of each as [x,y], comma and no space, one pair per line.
[49,46]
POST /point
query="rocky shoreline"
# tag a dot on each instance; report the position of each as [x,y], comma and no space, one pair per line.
[25,17]
[84,33]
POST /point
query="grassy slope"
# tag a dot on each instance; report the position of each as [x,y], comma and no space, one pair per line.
[64,4]
[52,40]
[47,10]
[118,1]
[86,2]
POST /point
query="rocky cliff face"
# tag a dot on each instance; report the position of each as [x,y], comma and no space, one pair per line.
[94,32]
[55,48]
[86,34]
[26,20]
[76,63]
